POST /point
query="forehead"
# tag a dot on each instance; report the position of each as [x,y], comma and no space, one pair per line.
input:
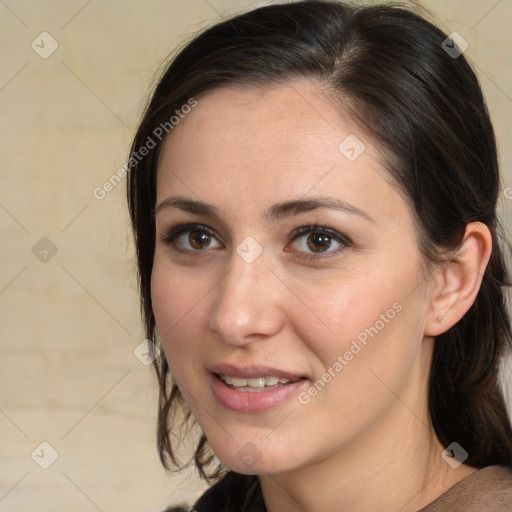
[235,124]
[260,146]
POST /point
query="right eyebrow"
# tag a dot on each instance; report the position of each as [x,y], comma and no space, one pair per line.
[188,205]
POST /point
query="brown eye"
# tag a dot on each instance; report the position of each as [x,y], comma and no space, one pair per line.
[199,239]
[318,242]
[191,238]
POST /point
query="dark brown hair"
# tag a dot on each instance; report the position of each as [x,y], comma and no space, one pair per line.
[390,69]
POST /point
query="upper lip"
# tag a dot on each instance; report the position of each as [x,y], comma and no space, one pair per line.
[252,371]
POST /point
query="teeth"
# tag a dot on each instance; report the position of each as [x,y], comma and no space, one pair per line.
[259,382]
[255,383]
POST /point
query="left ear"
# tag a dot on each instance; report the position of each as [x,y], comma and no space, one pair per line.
[459,282]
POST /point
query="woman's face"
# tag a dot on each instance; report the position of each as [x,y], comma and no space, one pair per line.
[296,259]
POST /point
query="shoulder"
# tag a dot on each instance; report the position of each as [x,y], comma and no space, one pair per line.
[487,489]
[233,493]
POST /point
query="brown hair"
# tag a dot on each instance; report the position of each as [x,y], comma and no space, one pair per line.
[389,67]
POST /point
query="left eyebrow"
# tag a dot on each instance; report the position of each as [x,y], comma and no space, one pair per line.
[286,209]
[276,212]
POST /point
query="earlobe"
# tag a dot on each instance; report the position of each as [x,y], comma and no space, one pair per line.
[460,280]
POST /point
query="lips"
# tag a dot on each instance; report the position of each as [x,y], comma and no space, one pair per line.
[253,372]
[253,388]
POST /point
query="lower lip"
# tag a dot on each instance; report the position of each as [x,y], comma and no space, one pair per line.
[253,401]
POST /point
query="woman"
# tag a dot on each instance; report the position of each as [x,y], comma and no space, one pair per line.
[313,192]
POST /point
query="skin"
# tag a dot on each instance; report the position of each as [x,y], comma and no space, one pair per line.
[365,440]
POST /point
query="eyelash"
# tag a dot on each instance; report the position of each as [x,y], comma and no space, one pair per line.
[177,230]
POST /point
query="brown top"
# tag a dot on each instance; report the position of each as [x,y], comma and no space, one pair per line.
[488,489]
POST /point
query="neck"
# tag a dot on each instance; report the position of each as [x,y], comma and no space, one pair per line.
[396,465]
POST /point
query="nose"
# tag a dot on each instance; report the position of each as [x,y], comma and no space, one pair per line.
[248,303]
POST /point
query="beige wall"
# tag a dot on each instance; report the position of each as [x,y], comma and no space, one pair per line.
[69,325]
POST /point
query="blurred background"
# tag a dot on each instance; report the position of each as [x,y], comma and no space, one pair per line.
[77,399]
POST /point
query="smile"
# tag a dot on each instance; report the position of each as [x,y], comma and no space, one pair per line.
[255,383]
[254,394]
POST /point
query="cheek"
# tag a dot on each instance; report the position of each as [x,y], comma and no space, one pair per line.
[348,309]
[374,349]
[178,305]
[363,336]
[379,330]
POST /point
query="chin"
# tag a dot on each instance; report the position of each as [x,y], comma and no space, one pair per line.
[249,460]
